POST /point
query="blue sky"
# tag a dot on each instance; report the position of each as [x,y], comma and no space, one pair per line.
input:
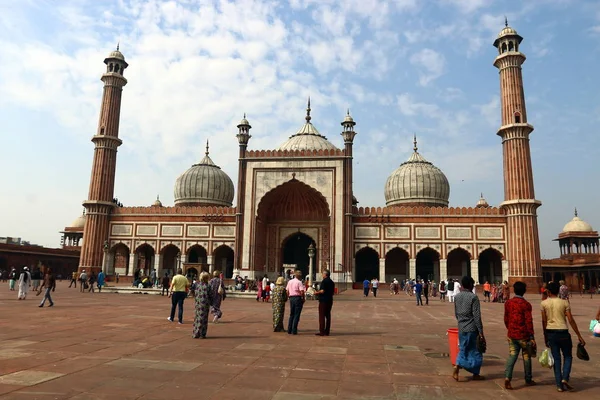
[402,67]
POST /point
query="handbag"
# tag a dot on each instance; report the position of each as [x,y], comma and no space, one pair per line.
[481,344]
[582,353]
[593,324]
[220,291]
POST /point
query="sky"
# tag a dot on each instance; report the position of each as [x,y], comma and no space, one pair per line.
[402,67]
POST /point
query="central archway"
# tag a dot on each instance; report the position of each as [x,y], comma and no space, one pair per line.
[296,205]
[428,264]
[367,264]
[295,251]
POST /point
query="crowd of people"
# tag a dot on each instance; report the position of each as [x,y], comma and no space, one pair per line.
[556,317]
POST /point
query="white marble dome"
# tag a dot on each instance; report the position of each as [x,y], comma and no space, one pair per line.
[79,222]
[204,184]
[417,182]
[577,225]
[307,138]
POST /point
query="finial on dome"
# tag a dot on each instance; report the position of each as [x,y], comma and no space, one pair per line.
[505,21]
[415,148]
[308,118]
[348,112]
[244,115]
[206,152]
[157,198]
[575,211]
[481,195]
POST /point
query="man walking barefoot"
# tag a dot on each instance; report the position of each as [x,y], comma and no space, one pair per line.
[50,285]
[519,322]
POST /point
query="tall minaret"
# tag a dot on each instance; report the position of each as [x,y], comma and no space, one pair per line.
[348,134]
[523,253]
[243,137]
[102,183]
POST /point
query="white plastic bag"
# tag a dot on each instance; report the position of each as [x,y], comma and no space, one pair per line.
[593,324]
[550,359]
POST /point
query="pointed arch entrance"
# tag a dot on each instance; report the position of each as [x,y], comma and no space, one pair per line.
[120,260]
[284,215]
[459,263]
[295,251]
[223,260]
[490,266]
[169,255]
[367,264]
[145,259]
[396,264]
[428,264]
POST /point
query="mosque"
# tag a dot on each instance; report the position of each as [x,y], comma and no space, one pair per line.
[295,206]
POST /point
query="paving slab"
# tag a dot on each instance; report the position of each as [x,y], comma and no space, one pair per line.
[383,348]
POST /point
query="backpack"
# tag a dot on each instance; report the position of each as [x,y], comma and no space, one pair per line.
[451,285]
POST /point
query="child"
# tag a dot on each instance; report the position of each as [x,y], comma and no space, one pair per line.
[267,291]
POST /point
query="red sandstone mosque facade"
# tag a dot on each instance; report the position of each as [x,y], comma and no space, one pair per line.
[300,195]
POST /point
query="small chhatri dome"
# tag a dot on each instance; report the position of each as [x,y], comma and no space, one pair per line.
[244,121]
[417,182]
[348,117]
[157,202]
[577,225]
[307,137]
[507,31]
[79,222]
[204,184]
[482,202]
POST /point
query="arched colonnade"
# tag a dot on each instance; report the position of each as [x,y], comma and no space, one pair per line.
[119,259]
[397,263]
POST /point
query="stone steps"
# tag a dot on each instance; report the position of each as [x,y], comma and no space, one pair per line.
[133,290]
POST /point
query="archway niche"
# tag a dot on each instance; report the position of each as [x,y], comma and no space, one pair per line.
[458,264]
[223,260]
[396,264]
[367,264]
[197,255]
[428,265]
[145,259]
[490,266]
[292,204]
[295,251]
[120,260]
[169,260]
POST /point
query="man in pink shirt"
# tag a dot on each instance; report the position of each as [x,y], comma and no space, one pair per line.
[295,291]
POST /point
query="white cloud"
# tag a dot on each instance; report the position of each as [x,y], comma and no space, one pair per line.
[468,6]
[431,65]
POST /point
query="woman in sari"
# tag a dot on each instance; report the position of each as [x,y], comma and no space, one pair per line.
[202,293]
[505,292]
[494,293]
[279,296]
[215,284]
[260,290]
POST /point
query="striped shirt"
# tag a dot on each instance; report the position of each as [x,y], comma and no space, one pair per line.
[468,312]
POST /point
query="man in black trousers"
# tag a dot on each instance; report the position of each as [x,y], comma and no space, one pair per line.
[325,293]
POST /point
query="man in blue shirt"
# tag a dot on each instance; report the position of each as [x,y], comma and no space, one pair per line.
[366,284]
[418,291]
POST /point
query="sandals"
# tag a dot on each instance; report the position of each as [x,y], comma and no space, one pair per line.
[566,385]
[507,384]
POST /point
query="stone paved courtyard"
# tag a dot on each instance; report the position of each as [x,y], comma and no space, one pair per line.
[121,346]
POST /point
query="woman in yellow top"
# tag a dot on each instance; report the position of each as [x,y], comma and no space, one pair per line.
[555,313]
